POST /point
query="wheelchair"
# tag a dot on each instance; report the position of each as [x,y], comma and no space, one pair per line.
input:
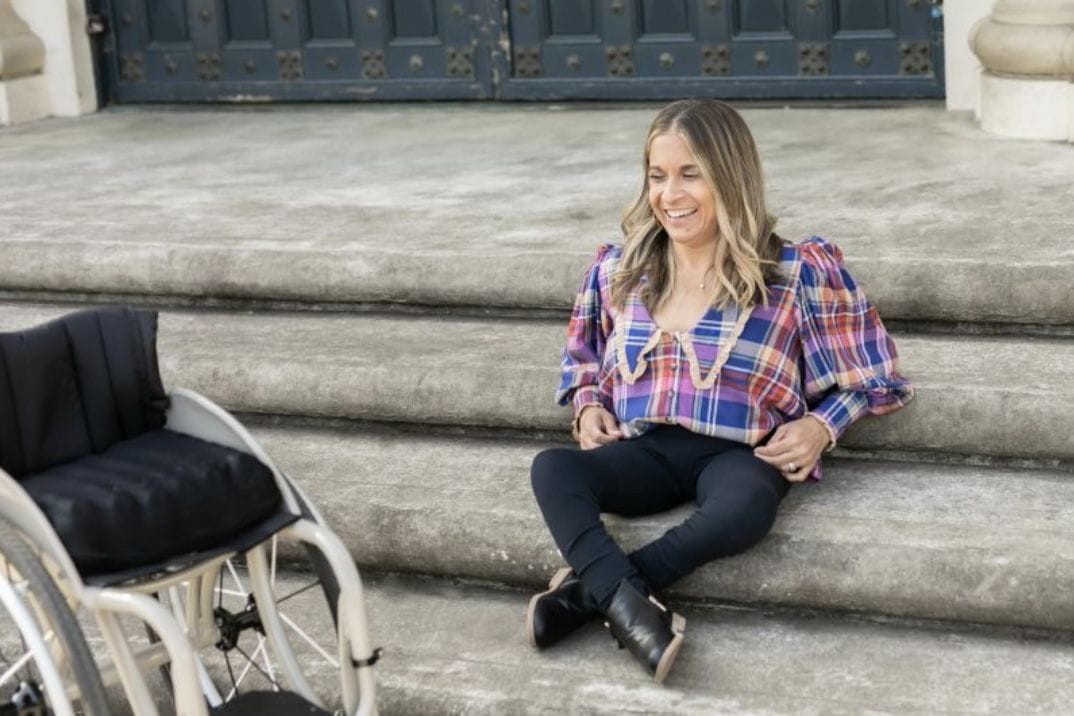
[160,519]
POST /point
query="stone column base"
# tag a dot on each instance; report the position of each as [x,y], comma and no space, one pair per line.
[1027,108]
[24,99]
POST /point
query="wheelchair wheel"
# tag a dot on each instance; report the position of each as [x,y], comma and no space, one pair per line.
[46,666]
[242,659]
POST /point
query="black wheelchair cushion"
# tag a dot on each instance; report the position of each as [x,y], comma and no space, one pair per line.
[156,496]
[77,385]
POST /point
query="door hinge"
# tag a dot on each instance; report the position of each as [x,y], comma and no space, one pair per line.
[96,24]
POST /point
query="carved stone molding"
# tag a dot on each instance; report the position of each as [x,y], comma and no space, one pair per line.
[1027,50]
[22,52]
[1034,12]
[1027,37]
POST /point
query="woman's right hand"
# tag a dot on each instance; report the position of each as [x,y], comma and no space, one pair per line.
[596,427]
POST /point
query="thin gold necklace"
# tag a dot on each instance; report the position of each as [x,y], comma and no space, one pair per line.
[701,285]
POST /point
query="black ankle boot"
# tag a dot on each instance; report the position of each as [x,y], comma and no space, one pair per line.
[566,606]
[645,627]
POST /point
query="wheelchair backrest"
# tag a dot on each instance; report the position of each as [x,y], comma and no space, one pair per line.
[76,385]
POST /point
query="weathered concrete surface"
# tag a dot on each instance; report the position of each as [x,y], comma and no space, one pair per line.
[963,543]
[978,396]
[402,203]
[458,649]
[452,650]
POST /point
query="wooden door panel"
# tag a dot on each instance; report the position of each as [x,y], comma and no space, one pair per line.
[665,16]
[169,50]
[245,20]
[175,50]
[572,17]
[327,20]
[413,18]
[748,48]
[167,21]
[856,15]
[761,16]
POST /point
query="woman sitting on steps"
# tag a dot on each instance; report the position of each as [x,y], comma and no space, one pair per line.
[707,359]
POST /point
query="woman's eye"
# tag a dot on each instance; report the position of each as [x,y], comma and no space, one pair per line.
[690,176]
[655,177]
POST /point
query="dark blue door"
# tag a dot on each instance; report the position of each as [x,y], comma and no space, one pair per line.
[625,49]
[261,50]
[270,50]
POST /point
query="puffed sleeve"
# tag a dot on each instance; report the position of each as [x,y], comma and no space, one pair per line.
[850,363]
[587,335]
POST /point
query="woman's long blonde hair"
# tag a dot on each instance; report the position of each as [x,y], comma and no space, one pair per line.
[747,251]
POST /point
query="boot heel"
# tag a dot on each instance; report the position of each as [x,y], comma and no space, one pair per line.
[559,610]
[559,578]
[648,629]
[668,658]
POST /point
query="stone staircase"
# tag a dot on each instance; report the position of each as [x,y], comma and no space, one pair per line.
[382,294]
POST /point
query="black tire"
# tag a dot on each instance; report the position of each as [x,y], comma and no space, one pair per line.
[21,565]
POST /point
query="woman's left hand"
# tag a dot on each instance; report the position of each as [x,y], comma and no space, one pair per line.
[798,445]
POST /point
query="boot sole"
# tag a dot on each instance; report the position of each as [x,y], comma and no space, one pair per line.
[557,579]
[678,628]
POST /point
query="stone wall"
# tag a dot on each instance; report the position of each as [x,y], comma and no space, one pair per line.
[46,66]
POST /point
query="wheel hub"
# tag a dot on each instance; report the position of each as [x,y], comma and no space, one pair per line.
[27,700]
[231,625]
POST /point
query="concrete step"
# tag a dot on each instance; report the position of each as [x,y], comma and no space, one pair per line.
[976,395]
[963,543]
[402,203]
[456,649]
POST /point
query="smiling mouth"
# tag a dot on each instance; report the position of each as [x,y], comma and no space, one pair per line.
[679,213]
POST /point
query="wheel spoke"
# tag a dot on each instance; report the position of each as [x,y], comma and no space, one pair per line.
[15,667]
[308,639]
[246,670]
[311,585]
[54,659]
[251,660]
[235,576]
[233,596]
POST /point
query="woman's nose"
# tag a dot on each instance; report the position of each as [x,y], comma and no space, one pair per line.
[672,189]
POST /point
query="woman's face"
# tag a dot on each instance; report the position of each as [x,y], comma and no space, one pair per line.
[678,193]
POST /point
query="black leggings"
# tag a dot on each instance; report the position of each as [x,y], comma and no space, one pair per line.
[737,495]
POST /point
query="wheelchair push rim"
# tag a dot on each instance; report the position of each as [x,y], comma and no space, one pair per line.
[45,664]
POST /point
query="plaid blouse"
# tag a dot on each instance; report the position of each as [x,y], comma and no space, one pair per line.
[819,347]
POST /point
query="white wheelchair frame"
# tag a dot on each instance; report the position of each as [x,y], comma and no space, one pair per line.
[183,631]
